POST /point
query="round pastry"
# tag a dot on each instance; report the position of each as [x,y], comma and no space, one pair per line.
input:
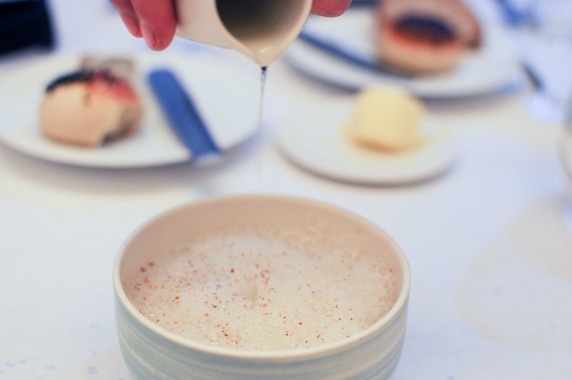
[425,36]
[89,107]
[386,118]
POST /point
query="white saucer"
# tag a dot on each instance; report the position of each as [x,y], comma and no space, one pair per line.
[227,96]
[317,143]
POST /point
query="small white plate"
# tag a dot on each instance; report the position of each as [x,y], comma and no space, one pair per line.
[226,95]
[488,69]
[318,144]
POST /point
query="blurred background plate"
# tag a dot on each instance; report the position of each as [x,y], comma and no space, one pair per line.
[316,143]
[227,96]
[490,68]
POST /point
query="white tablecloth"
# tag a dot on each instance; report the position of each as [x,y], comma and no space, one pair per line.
[488,243]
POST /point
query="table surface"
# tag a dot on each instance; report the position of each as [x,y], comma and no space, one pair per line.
[488,243]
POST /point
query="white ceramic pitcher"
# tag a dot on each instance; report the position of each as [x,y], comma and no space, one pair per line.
[260,29]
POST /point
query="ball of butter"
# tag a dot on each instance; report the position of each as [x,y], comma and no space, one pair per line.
[386,118]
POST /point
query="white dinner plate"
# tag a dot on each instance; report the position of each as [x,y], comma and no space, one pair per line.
[226,95]
[316,142]
[488,69]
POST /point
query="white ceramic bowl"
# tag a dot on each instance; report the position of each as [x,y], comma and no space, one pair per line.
[152,352]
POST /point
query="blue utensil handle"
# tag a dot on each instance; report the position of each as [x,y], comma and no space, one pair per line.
[182,114]
[353,57]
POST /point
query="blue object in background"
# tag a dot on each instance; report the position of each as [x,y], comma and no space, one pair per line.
[183,116]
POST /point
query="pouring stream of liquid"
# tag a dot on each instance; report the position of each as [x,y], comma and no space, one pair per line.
[263,76]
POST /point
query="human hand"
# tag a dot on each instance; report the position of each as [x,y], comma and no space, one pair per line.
[155,21]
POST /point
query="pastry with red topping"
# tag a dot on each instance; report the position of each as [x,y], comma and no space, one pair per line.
[89,107]
[425,36]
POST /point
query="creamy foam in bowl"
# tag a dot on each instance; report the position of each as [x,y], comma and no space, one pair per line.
[260,286]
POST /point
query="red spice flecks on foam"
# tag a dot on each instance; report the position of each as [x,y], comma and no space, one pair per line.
[257,293]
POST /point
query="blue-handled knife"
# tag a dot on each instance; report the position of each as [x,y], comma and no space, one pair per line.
[182,114]
[346,54]
[516,16]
